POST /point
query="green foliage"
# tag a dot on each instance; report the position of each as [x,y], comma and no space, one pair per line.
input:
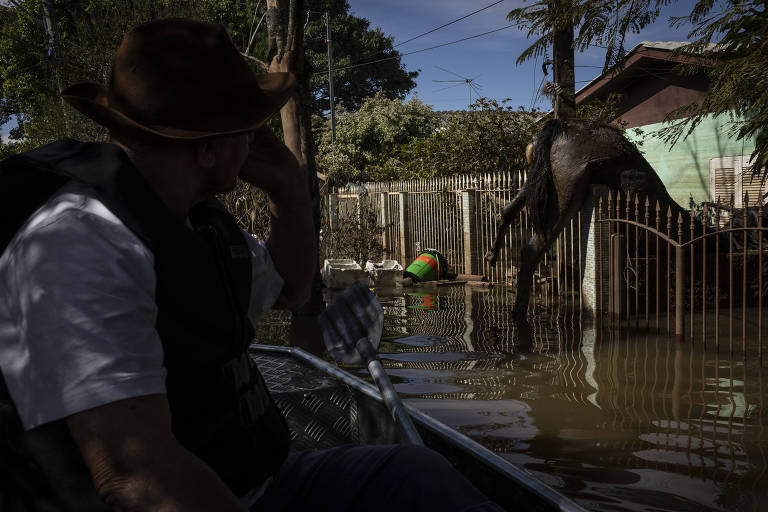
[89,32]
[602,111]
[732,37]
[603,23]
[392,140]
[490,137]
[366,137]
[354,41]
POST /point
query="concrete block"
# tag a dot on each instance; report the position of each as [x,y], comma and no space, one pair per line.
[384,273]
[340,273]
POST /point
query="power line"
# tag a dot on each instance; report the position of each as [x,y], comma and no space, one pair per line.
[424,49]
[449,23]
[436,29]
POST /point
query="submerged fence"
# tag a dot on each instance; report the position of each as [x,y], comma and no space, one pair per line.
[698,274]
[457,215]
[695,273]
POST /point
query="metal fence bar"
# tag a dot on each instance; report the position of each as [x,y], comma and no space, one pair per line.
[717,282]
[730,281]
[704,281]
[669,274]
[624,275]
[647,266]
[679,281]
[581,276]
[692,216]
[760,284]
[637,260]
[744,286]
[658,257]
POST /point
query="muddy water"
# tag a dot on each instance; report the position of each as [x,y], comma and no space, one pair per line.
[617,419]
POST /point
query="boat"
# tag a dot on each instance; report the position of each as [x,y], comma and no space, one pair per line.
[325,406]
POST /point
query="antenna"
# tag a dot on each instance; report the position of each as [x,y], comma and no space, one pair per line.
[471,85]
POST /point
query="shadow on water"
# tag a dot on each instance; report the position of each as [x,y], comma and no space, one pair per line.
[618,419]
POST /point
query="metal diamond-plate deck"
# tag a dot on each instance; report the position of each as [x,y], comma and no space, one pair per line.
[283,374]
[321,411]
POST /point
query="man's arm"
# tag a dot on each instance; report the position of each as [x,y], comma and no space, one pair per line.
[137,464]
[292,241]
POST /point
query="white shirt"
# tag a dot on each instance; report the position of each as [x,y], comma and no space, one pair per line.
[77,309]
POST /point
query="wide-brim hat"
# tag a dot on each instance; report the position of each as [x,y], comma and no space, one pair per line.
[181,79]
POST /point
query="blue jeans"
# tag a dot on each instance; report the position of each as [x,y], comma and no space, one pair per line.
[371,478]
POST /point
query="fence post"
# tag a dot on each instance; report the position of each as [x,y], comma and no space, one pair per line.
[591,244]
[384,216]
[617,299]
[333,212]
[470,229]
[679,286]
[405,228]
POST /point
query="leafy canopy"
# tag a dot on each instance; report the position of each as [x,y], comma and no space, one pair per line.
[364,138]
[354,42]
[602,23]
[490,137]
[730,35]
[392,140]
[91,30]
[733,36]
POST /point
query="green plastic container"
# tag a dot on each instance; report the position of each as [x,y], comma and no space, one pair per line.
[429,266]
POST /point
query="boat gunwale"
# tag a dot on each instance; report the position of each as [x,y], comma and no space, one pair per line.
[522,478]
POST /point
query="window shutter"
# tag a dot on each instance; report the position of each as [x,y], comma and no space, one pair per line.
[755,188]
[725,185]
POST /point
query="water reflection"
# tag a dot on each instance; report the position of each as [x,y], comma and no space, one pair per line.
[617,419]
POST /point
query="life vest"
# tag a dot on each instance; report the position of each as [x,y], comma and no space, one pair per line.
[220,407]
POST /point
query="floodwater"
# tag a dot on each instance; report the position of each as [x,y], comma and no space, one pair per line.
[616,419]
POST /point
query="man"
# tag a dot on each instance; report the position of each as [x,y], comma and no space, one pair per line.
[129,297]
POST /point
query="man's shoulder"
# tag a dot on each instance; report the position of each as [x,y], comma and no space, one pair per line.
[75,202]
[75,215]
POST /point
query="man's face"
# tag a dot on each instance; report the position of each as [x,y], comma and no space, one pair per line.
[231,153]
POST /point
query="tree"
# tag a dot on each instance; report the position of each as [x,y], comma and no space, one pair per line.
[367,137]
[574,25]
[89,32]
[732,35]
[354,43]
[490,137]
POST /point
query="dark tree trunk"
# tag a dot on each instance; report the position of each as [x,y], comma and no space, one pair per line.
[563,61]
[286,53]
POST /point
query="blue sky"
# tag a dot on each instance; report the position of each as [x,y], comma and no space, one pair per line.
[492,56]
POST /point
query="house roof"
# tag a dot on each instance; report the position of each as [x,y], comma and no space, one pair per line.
[646,58]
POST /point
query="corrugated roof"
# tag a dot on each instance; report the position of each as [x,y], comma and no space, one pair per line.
[662,45]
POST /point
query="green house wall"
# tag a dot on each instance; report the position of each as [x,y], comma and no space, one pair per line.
[684,168]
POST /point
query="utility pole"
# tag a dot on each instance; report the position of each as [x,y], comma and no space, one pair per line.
[329,42]
[563,59]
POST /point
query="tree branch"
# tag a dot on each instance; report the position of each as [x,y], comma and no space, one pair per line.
[263,65]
